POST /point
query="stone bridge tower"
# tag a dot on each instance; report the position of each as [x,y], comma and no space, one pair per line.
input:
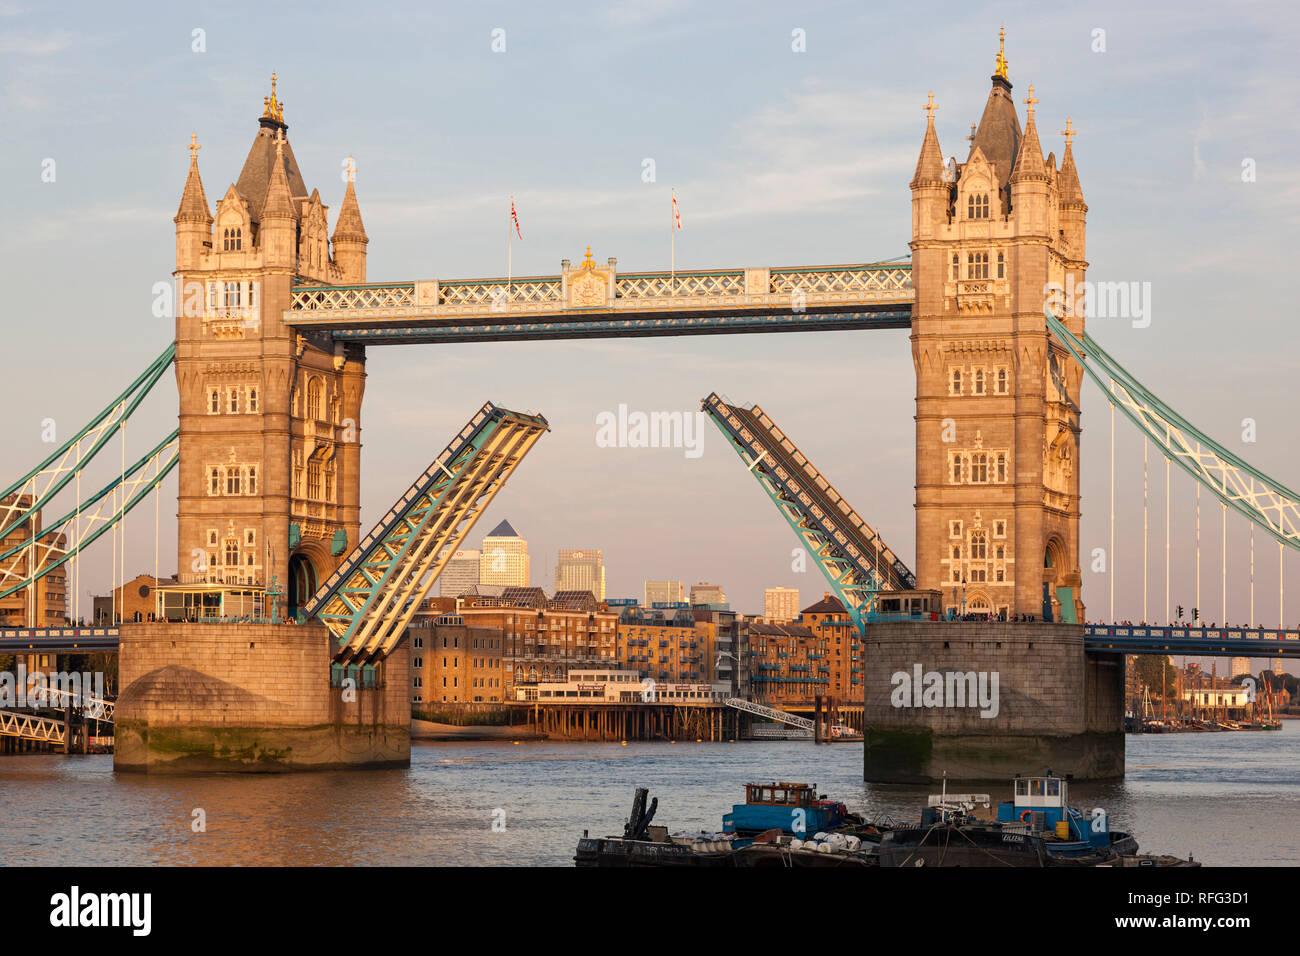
[997,401]
[270,423]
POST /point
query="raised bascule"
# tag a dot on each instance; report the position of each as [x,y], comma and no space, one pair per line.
[294,655]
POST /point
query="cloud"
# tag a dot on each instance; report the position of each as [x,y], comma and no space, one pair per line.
[15,44]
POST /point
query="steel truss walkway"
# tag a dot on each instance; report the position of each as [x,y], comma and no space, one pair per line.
[30,727]
[854,559]
[771,713]
[594,301]
[1199,641]
[370,599]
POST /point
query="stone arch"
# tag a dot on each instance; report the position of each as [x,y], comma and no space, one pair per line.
[303,582]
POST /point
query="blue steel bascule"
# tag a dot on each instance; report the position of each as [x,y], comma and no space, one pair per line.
[370,598]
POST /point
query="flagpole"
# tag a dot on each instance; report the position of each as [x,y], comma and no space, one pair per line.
[510,248]
[672,234]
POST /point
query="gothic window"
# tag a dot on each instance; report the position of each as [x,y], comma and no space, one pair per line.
[954,529]
[214,482]
[232,481]
[329,486]
[955,389]
[978,575]
[979,548]
[232,553]
[956,469]
[1001,575]
[252,400]
[252,483]
[1002,468]
[212,297]
[1001,553]
[999,529]
[977,207]
[234,401]
[956,267]
[977,265]
[956,553]
[212,537]
[232,296]
[1002,381]
[250,537]
[979,468]
[252,290]
[1002,266]
[313,481]
[956,575]
[214,406]
[979,381]
[314,405]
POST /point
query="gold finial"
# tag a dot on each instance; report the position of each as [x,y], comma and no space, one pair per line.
[587,260]
[1069,132]
[272,108]
[1001,68]
[194,147]
[929,108]
[1029,101]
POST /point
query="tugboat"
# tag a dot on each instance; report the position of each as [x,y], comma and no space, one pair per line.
[1037,827]
[779,824]
[793,808]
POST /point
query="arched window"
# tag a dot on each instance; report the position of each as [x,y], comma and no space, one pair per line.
[979,548]
[956,265]
[977,207]
[956,553]
[215,406]
[234,401]
[214,487]
[232,553]
[956,381]
[1002,468]
[313,481]
[977,265]
[979,381]
[1002,266]
[252,481]
[315,406]
[232,481]
[1002,381]
[979,468]
[252,400]
[956,469]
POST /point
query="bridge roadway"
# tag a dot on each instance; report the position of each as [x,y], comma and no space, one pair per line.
[1126,639]
[592,301]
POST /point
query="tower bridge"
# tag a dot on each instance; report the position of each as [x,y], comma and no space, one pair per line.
[269,355]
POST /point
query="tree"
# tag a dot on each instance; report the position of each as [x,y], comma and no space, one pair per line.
[1157,672]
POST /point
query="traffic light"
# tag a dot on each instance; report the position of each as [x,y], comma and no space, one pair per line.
[1196,614]
[1179,615]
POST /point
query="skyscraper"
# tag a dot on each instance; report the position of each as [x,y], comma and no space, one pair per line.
[504,559]
[780,605]
[706,593]
[664,592]
[581,570]
[459,574]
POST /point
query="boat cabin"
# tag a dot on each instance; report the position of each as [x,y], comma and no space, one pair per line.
[780,794]
[1041,804]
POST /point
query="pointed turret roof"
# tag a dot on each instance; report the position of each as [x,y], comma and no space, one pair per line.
[503,530]
[255,177]
[278,203]
[998,133]
[1029,161]
[929,165]
[349,225]
[194,201]
[1068,181]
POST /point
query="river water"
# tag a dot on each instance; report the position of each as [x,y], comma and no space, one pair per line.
[1226,798]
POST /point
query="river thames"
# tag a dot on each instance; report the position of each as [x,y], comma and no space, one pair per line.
[1225,798]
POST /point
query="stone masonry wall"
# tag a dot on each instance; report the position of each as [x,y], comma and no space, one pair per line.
[251,697]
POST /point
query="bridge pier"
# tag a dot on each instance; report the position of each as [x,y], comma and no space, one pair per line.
[256,698]
[1040,701]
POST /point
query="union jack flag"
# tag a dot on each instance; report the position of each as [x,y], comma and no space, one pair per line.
[514,218]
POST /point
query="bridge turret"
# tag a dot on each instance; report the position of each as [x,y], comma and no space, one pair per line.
[193,218]
[350,237]
[1030,181]
[931,186]
[278,234]
[1073,210]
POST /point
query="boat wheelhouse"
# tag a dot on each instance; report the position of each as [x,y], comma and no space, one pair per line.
[794,808]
